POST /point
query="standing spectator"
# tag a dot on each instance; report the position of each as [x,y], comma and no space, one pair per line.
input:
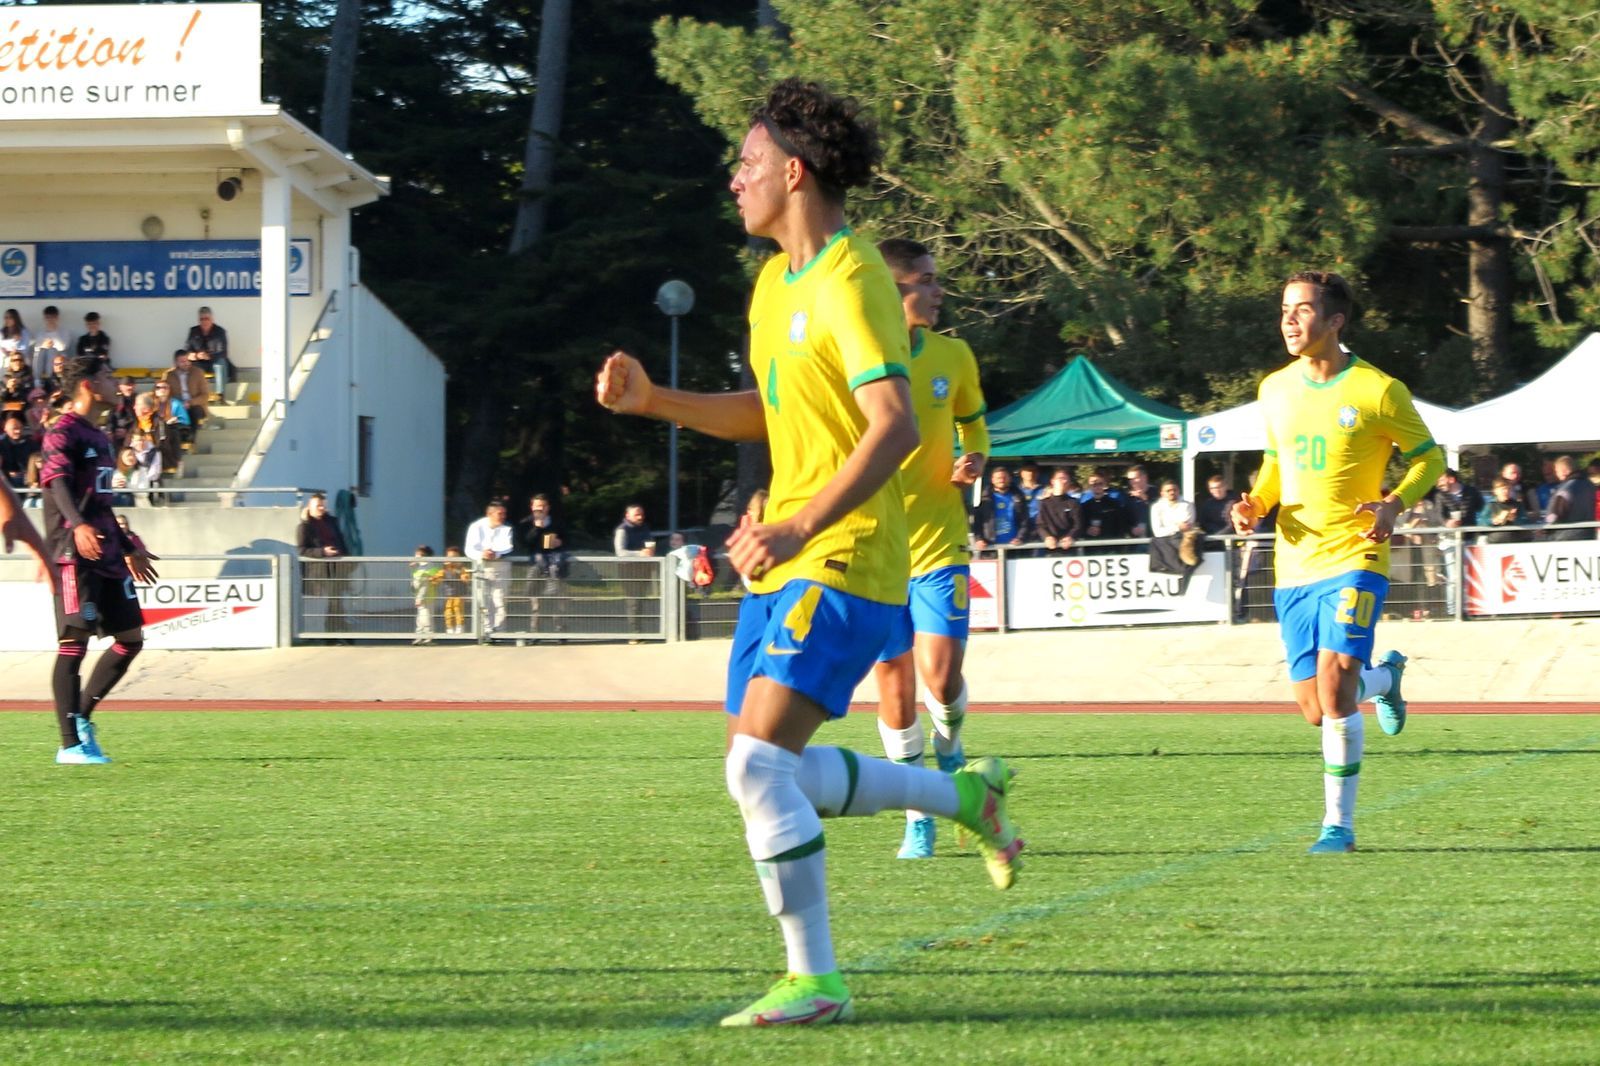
[320,543]
[1213,512]
[1524,493]
[489,546]
[684,557]
[1060,516]
[1173,517]
[93,341]
[547,555]
[1001,516]
[1572,500]
[1546,485]
[1103,517]
[454,585]
[426,575]
[1506,512]
[121,420]
[208,349]
[1136,501]
[1458,504]
[1032,490]
[16,447]
[53,338]
[15,338]
[188,383]
[632,540]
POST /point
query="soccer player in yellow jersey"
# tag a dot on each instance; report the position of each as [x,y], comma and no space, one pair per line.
[932,628]
[1332,422]
[828,564]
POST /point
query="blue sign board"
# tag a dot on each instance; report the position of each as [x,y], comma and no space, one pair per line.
[112,269]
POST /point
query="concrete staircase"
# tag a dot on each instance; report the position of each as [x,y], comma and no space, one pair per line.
[220,447]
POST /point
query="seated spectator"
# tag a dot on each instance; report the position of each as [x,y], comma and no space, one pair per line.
[146,470]
[52,338]
[40,411]
[14,337]
[207,346]
[31,479]
[542,537]
[1060,516]
[93,341]
[17,367]
[120,419]
[187,382]
[1103,516]
[1213,513]
[1506,511]
[51,382]
[147,421]
[16,448]
[174,415]
[1001,517]
[1571,500]
[15,391]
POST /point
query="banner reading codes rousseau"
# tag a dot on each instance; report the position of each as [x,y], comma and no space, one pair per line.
[1110,590]
[178,613]
[129,60]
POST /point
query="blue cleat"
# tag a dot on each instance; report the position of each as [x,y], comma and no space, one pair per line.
[1335,840]
[1391,706]
[949,764]
[77,756]
[87,740]
[918,843]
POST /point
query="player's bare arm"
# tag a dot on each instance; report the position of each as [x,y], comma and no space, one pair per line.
[1384,513]
[890,436]
[1245,516]
[968,468]
[624,386]
[15,527]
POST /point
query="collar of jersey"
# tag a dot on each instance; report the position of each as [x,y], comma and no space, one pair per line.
[916,346]
[792,276]
[1354,359]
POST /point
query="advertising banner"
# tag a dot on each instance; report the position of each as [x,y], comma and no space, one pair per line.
[178,613]
[1533,578]
[120,269]
[983,591]
[63,61]
[1111,590]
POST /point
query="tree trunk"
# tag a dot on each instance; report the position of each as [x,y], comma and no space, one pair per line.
[1489,263]
[544,130]
[480,455]
[338,84]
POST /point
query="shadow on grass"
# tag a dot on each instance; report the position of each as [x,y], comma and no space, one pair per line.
[1023,758]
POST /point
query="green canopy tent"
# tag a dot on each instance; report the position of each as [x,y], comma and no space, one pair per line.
[1084,411]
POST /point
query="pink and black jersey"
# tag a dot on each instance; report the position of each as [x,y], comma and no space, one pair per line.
[76,450]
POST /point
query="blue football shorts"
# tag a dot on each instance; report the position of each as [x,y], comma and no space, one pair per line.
[808,637]
[938,605]
[1339,615]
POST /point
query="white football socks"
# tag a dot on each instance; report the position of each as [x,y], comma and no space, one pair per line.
[1342,743]
[904,746]
[947,719]
[843,783]
[1374,682]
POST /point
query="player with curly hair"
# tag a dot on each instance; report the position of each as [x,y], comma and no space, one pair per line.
[98,557]
[829,563]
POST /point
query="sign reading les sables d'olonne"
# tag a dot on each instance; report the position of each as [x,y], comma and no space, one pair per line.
[129,60]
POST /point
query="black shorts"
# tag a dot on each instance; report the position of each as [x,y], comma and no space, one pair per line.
[95,603]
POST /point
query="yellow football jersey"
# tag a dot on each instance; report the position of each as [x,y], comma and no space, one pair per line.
[1327,446]
[815,336]
[946,396]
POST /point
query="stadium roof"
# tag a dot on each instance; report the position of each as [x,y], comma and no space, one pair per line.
[1083,410]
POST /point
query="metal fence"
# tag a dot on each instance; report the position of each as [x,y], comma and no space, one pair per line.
[444,599]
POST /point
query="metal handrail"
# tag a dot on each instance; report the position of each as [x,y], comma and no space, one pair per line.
[273,416]
[176,490]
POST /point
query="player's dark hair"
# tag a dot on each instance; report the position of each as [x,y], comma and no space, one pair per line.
[77,369]
[829,134]
[901,253]
[1333,293]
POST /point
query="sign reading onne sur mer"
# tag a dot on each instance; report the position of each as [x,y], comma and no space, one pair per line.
[129,61]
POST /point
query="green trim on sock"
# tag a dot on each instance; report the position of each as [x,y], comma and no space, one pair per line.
[852,771]
[810,847]
[1341,771]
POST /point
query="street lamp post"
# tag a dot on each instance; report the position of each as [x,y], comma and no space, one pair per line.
[675,299]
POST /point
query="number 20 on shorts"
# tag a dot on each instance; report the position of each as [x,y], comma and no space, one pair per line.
[1356,605]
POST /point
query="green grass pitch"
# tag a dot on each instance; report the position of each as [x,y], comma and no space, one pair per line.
[470,888]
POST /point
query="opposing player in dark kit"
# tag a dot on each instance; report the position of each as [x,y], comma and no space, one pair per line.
[98,557]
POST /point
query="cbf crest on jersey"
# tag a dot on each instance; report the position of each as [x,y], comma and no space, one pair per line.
[1347,417]
[797,328]
[941,388]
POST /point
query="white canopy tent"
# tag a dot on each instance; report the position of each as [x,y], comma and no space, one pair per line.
[1560,407]
[1241,429]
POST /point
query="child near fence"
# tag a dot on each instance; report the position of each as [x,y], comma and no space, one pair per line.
[426,576]
[454,584]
